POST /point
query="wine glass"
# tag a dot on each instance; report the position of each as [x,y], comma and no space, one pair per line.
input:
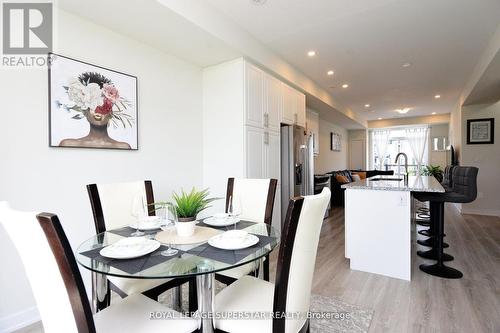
[234,209]
[170,210]
[138,211]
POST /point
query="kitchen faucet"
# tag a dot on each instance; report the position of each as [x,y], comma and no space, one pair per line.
[406,166]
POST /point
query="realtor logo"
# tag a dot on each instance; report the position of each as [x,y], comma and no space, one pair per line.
[27,28]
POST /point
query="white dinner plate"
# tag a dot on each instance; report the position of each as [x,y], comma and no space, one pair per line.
[219,242]
[149,224]
[130,247]
[220,222]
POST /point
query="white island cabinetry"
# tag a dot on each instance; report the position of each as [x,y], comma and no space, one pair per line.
[378,223]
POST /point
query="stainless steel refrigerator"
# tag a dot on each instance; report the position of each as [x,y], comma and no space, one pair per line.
[297,165]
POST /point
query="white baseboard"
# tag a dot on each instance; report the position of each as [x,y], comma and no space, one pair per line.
[19,320]
[488,212]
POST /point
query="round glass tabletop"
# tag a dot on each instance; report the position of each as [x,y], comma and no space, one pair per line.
[191,260]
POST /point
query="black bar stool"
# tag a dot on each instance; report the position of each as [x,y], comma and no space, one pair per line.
[464,190]
[447,184]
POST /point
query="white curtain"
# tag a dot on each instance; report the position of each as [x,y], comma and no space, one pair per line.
[417,139]
[381,143]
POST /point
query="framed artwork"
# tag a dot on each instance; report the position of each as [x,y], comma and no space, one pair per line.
[480,131]
[91,106]
[335,141]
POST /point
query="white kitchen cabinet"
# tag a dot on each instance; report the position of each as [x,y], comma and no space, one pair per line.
[255,152]
[242,109]
[254,96]
[300,118]
[272,155]
[312,127]
[273,97]
[294,107]
[289,105]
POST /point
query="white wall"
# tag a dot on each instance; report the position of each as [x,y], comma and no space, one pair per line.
[328,160]
[438,157]
[486,157]
[357,135]
[36,177]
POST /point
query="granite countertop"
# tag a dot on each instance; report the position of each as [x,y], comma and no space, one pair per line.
[415,184]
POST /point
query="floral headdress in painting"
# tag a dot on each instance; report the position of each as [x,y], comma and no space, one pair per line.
[93,91]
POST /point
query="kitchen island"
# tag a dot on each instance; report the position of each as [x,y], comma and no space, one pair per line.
[379,219]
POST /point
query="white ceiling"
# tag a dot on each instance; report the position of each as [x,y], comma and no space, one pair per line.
[366,41]
[156,25]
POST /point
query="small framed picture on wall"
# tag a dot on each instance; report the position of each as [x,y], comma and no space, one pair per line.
[335,141]
[480,131]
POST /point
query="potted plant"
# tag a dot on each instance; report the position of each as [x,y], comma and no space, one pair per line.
[431,170]
[185,208]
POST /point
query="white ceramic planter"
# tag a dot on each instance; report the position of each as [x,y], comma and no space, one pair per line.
[185,229]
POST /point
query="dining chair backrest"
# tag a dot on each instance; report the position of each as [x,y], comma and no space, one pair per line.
[112,203]
[51,270]
[297,258]
[255,196]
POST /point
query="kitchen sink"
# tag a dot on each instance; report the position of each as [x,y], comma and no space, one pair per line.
[384,179]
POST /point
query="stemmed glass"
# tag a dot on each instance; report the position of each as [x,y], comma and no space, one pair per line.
[234,209]
[138,211]
[170,210]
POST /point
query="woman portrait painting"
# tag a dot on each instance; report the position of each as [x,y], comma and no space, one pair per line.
[91,107]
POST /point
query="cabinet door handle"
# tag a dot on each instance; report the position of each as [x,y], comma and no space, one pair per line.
[295,118]
[266,138]
[266,119]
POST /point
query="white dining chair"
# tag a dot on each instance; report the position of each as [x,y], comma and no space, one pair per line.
[255,198]
[58,287]
[111,207]
[291,292]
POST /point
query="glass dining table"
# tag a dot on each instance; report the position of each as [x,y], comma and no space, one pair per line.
[199,260]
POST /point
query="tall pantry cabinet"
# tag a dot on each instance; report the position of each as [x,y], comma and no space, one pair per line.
[243,108]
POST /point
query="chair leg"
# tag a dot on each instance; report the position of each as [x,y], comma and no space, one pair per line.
[439,269]
[193,299]
[266,268]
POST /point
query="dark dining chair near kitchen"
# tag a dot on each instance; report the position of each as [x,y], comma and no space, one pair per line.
[255,198]
[58,287]
[291,292]
[111,207]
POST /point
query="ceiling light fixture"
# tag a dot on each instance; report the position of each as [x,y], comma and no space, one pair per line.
[329,73]
[406,65]
[345,85]
[379,118]
[403,110]
[437,96]
[434,113]
[311,53]
[367,105]
[258,2]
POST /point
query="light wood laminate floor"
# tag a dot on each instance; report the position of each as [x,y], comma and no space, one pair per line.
[427,303]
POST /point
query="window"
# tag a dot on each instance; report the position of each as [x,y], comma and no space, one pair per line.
[384,151]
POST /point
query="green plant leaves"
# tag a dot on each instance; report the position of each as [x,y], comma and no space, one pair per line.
[188,204]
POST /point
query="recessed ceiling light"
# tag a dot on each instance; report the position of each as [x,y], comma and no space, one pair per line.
[403,110]
[406,64]
[367,105]
[311,53]
[437,96]
[434,113]
[345,85]
[379,118]
[258,2]
[329,73]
